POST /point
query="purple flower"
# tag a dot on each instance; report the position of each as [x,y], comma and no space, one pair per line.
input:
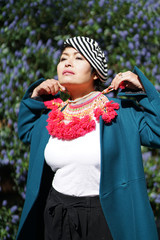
[23,194]
[13,208]
[10,122]
[130,15]
[39,45]
[60,42]
[135,25]
[157,87]
[90,3]
[131,45]
[110,72]
[146,156]
[158,78]
[3,87]
[55,77]
[99,19]
[80,22]
[18,169]
[5,23]
[3,14]
[2,143]
[128,65]
[25,24]
[43,25]
[25,155]
[153,195]
[123,34]
[140,14]
[157,200]
[115,8]
[12,152]
[4,203]
[101,3]
[49,42]
[7,228]
[144,26]
[99,30]
[18,53]
[145,38]
[57,54]
[38,73]
[19,161]
[28,42]
[72,26]
[90,22]
[114,36]
[33,32]
[15,218]
[153,168]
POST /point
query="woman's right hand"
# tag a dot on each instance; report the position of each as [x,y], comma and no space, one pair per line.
[49,86]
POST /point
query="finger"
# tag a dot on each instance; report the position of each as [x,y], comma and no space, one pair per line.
[46,89]
[117,80]
[53,85]
[62,88]
[54,88]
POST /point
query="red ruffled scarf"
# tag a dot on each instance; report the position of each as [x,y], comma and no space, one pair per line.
[80,124]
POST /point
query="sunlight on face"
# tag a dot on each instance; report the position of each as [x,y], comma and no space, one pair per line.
[73,68]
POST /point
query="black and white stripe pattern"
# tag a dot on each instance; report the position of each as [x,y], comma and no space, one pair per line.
[90,49]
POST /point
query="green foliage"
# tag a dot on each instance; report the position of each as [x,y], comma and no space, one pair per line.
[31,35]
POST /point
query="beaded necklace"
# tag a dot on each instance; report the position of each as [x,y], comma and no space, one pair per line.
[78,117]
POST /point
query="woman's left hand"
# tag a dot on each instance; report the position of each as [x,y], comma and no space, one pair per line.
[129,79]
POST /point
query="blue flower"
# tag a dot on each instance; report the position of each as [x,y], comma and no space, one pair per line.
[13,209]
[57,54]
[153,168]
[99,19]
[131,45]
[135,25]
[90,3]
[80,22]
[4,203]
[90,22]
[101,3]
[49,42]
[146,155]
[60,42]
[15,218]
[99,30]
[43,25]
[28,42]
[72,26]
[33,32]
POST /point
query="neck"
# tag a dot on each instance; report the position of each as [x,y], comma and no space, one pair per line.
[78,92]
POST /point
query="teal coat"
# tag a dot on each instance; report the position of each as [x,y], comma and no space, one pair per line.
[123,193]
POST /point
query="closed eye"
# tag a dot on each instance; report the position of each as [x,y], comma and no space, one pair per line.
[63,59]
[79,58]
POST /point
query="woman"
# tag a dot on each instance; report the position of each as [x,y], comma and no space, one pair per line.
[81,155]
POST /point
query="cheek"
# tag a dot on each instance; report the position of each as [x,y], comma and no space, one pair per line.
[85,69]
[59,69]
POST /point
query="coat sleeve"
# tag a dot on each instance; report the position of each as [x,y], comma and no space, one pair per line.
[29,113]
[147,115]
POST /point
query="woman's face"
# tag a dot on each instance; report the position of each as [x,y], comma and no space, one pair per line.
[74,69]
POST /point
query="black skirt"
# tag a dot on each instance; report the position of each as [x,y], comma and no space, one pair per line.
[74,218]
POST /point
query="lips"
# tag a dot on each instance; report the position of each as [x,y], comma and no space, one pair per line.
[68,72]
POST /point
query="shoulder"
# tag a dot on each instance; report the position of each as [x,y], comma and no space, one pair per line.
[127,105]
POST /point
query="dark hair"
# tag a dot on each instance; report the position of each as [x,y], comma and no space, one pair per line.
[98,84]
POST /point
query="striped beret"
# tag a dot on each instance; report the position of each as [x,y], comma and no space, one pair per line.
[90,49]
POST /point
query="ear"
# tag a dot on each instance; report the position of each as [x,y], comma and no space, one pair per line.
[95,77]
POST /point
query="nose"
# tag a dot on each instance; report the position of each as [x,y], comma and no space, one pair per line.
[68,63]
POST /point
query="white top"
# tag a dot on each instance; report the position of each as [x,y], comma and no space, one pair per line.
[76,163]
